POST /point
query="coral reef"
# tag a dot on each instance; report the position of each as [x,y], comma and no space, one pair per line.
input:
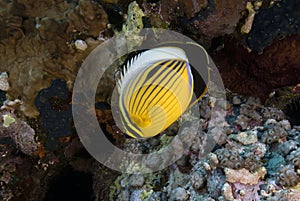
[19,131]
[258,170]
[288,177]
[200,19]
[37,43]
[4,85]
[244,176]
[279,20]
[229,158]
[294,157]
[274,132]
[276,67]
[54,107]
[256,156]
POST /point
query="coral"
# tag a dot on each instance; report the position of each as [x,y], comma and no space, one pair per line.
[272,113]
[245,192]
[198,180]
[249,108]
[249,117]
[87,17]
[80,45]
[55,111]
[244,176]
[136,195]
[278,196]
[252,162]
[179,194]
[217,18]
[156,196]
[229,158]
[274,69]
[248,137]
[286,147]
[288,177]
[37,43]
[296,89]
[236,100]
[187,8]
[4,85]
[274,132]
[294,193]
[227,192]
[294,158]
[8,168]
[252,168]
[249,157]
[136,180]
[133,25]
[200,19]
[274,164]
[21,133]
[245,29]
[215,180]
[243,121]
[279,20]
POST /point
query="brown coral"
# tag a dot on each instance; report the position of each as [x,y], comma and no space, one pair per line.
[294,158]
[45,50]
[257,75]
[223,20]
[187,8]
[198,180]
[88,17]
[288,177]
[21,133]
[274,134]
[229,158]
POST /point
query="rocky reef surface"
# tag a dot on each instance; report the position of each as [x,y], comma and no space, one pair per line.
[255,45]
[256,158]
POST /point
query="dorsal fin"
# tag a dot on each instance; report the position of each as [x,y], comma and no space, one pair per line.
[145,59]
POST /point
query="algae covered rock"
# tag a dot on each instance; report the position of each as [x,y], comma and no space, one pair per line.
[37,43]
[19,131]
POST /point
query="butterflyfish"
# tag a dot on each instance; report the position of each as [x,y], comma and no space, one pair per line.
[155,88]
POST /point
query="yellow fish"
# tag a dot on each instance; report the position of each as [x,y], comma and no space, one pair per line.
[156,87]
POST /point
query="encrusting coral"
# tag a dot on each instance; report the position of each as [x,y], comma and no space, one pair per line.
[274,132]
[37,43]
[294,158]
[19,131]
[288,177]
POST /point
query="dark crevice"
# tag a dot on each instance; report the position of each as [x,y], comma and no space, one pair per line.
[70,185]
[292,111]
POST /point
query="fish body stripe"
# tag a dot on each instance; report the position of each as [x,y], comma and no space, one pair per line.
[163,90]
[176,76]
[139,95]
[134,83]
[129,126]
[169,72]
[174,97]
[155,89]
